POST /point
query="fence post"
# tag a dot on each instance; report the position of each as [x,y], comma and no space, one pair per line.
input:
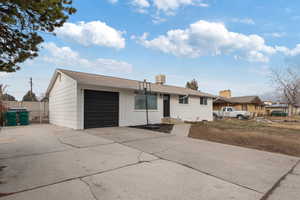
[40,112]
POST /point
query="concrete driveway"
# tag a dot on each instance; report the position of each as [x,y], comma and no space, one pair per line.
[49,162]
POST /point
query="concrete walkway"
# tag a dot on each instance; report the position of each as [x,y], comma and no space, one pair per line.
[181,130]
[49,162]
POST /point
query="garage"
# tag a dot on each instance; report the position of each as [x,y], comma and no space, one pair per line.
[101,109]
[81,100]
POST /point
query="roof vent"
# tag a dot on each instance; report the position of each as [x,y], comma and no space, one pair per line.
[160,79]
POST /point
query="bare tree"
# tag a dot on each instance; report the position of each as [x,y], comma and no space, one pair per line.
[287,82]
[2,93]
[2,90]
[274,96]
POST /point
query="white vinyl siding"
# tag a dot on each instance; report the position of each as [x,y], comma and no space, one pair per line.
[63,103]
[66,106]
[128,115]
[193,111]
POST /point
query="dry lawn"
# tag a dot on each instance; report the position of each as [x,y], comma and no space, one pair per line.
[273,137]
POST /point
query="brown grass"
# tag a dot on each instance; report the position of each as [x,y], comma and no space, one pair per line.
[250,134]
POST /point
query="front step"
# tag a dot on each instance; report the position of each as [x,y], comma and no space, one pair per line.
[169,120]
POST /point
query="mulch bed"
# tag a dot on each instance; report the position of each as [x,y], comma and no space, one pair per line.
[163,128]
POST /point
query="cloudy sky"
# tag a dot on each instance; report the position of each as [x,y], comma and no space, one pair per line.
[224,44]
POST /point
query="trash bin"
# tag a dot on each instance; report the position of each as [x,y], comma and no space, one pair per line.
[11,118]
[23,117]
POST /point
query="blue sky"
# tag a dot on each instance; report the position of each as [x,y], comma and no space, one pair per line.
[229,44]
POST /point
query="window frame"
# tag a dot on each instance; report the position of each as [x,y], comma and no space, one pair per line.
[183,99]
[143,107]
[204,101]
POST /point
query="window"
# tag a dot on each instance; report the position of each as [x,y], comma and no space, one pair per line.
[229,110]
[203,100]
[245,107]
[140,102]
[183,99]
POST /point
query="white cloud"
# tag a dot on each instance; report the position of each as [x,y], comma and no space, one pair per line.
[2,74]
[65,56]
[295,51]
[157,8]
[263,70]
[113,1]
[289,52]
[141,3]
[248,21]
[205,5]
[92,33]
[167,7]
[171,5]
[276,34]
[156,19]
[205,38]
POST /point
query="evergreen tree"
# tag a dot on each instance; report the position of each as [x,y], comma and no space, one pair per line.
[22,22]
[8,97]
[29,96]
[193,84]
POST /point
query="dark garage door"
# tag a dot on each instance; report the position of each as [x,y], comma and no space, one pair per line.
[101,109]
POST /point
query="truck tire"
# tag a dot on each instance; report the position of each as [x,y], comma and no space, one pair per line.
[240,117]
[215,116]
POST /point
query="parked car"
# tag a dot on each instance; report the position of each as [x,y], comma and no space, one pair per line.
[279,113]
[232,113]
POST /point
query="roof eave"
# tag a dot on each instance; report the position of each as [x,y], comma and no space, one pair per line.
[156,91]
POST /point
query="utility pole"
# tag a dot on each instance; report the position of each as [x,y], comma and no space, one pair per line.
[30,82]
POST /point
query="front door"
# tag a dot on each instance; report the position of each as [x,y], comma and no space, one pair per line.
[166,105]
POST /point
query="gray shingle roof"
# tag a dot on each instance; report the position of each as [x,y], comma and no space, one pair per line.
[114,82]
[243,99]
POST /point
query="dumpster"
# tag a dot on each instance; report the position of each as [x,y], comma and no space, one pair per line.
[17,116]
[23,117]
[10,118]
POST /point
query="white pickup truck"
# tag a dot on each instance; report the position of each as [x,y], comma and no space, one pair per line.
[232,113]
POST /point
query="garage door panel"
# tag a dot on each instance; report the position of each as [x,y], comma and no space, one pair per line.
[101,109]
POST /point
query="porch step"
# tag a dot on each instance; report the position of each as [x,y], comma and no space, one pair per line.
[169,120]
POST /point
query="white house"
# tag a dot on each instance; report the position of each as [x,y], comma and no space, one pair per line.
[80,100]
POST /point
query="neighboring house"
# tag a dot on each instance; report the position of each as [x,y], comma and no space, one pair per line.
[277,107]
[253,104]
[283,107]
[80,100]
